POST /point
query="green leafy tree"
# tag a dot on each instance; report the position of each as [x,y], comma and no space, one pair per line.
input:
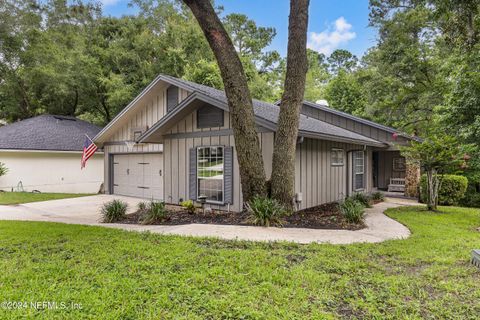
[341,59]
[344,93]
[437,155]
[317,76]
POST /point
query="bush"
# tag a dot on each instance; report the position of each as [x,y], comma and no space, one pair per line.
[155,211]
[266,212]
[142,206]
[378,196]
[3,169]
[471,198]
[452,189]
[352,210]
[189,206]
[113,211]
[363,198]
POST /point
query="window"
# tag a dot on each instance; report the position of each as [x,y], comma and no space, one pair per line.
[337,157]
[358,170]
[209,116]
[172,98]
[210,169]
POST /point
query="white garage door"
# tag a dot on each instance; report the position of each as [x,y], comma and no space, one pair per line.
[138,175]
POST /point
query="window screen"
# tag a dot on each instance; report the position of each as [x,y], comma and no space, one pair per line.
[358,170]
[210,173]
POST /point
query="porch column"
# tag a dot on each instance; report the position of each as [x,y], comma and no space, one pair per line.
[412,179]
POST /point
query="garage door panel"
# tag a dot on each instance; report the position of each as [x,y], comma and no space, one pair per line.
[120,177]
[138,175]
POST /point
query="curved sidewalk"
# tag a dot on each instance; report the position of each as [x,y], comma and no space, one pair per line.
[379,226]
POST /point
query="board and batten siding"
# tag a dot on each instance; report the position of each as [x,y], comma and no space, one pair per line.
[151,112]
[316,178]
[177,147]
[351,125]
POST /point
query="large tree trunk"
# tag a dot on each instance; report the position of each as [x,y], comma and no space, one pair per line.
[283,171]
[252,172]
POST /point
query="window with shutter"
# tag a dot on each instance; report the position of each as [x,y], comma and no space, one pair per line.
[210,173]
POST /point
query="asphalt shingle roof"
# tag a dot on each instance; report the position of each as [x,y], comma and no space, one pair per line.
[270,112]
[47,132]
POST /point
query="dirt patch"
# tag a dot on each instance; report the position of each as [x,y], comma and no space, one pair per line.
[326,216]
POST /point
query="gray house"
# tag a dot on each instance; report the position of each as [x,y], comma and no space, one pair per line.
[174,141]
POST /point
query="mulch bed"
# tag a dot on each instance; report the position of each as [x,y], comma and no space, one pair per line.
[326,216]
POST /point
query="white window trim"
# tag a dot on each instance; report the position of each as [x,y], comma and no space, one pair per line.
[337,164]
[358,173]
[223,179]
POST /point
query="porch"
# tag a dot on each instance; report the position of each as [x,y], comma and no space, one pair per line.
[389,173]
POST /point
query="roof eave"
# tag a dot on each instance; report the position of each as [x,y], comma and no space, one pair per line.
[322,136]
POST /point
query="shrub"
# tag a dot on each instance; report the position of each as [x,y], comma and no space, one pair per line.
[113,211]
[452,189]
[155,211]
[142,206]
[266,211]
[471,198]
[352,210]
[3,169]
[363,198]
[189,206]
[378,196]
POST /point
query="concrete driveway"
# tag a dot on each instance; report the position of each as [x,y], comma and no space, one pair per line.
[86,210]
[82,210]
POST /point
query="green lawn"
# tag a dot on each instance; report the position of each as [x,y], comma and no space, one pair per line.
[24,197]
[115,274]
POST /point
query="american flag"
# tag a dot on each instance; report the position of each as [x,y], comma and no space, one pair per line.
[89,149]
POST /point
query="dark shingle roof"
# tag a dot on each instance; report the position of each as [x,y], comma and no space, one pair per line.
[47,132]
[270,112]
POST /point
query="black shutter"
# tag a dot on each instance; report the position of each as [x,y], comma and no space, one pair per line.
[172,98]
[192,176]
[228,175]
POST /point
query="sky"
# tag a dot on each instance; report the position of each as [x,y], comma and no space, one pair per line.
[333,24]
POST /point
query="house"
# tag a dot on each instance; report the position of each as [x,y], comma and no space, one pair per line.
[174,141]
[43,153]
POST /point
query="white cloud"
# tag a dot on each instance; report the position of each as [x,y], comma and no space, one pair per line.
[338,33]
[108,2]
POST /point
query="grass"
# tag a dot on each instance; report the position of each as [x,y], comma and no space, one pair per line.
[115,274]
[25,197]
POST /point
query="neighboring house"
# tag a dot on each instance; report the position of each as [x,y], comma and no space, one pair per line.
[43,153]
[174,142]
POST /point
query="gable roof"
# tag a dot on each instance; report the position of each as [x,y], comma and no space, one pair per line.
[47,132]
[266,114]
[356,119]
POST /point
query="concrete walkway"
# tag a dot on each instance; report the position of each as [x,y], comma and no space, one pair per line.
[85,210]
